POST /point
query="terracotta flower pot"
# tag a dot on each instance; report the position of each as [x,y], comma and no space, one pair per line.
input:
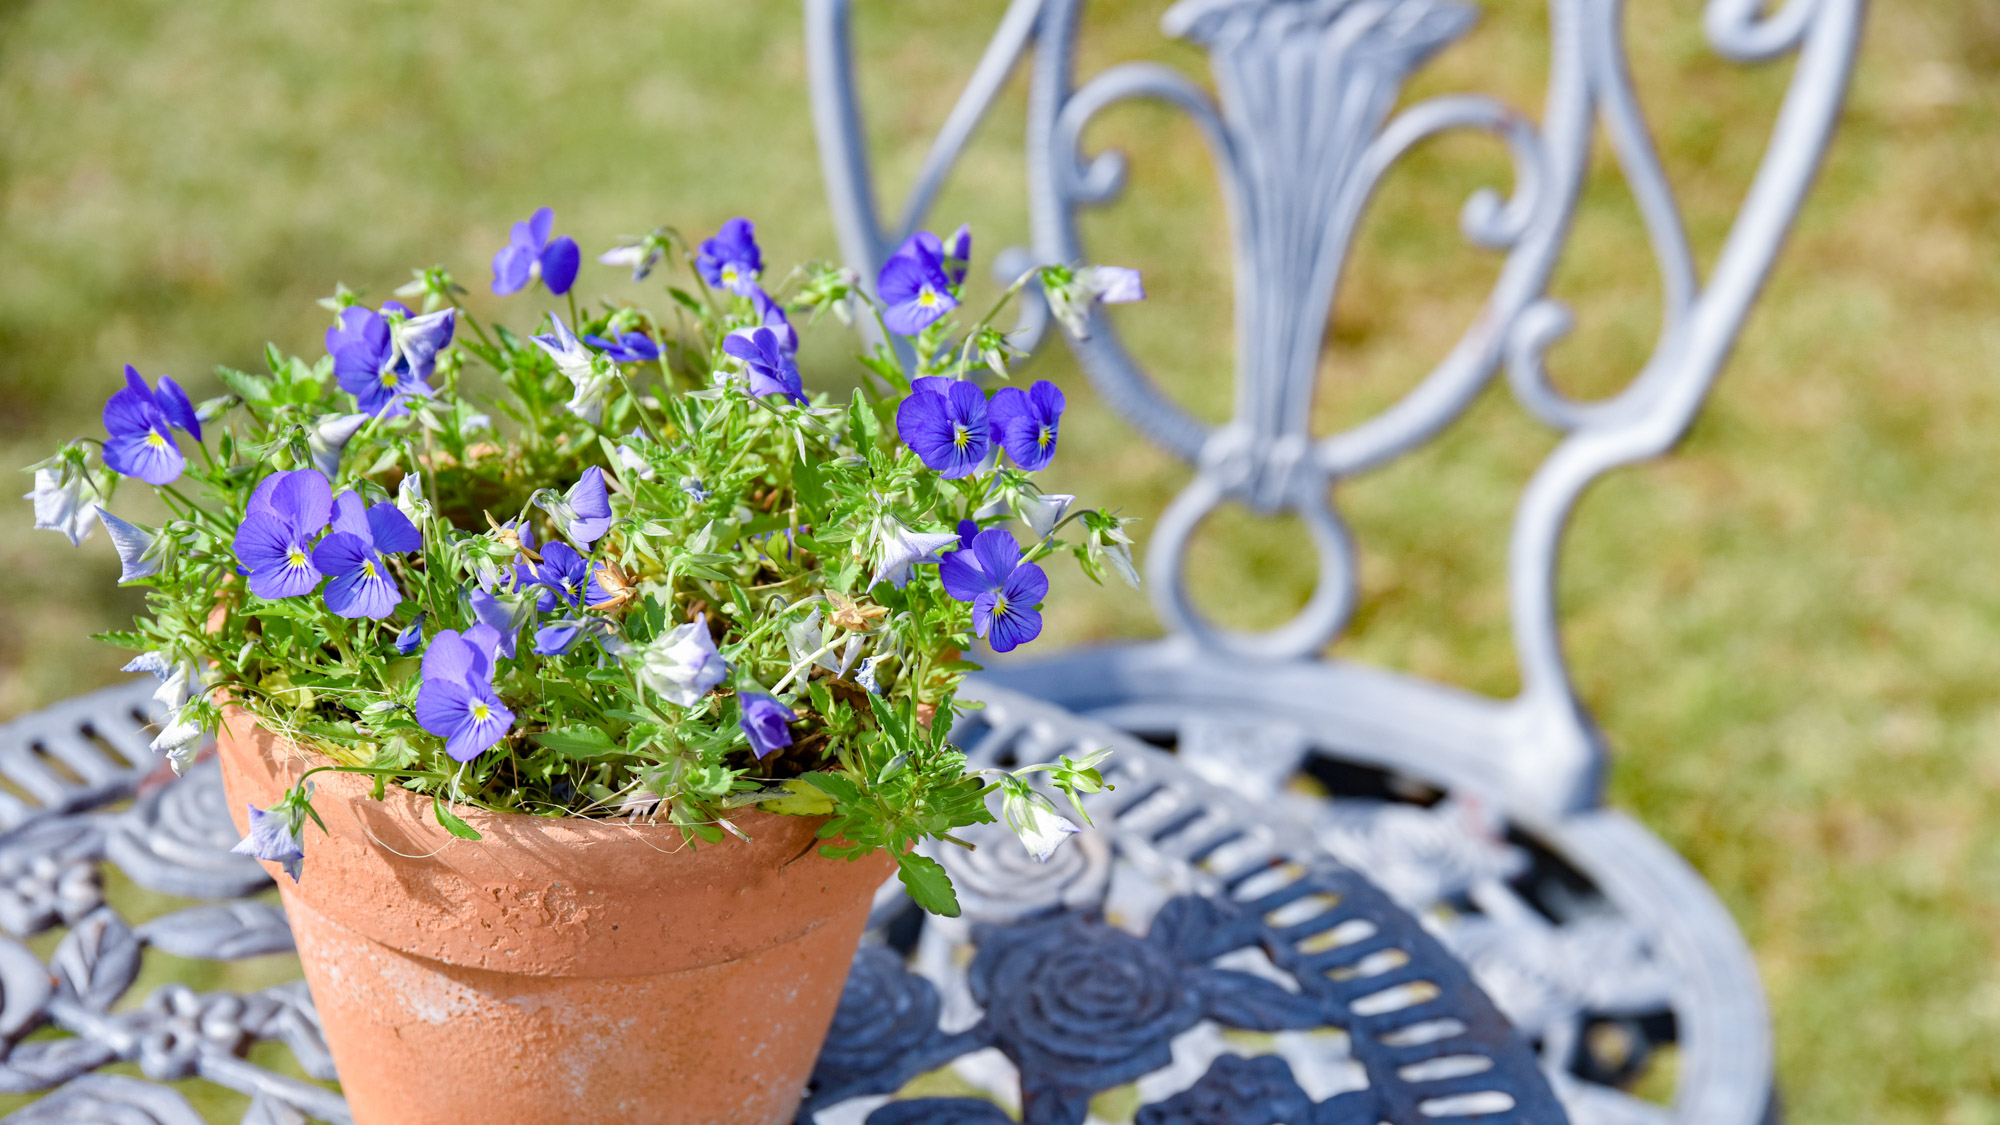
[558,969]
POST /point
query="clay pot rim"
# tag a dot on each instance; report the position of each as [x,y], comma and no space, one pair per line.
[478,815]
[390,872]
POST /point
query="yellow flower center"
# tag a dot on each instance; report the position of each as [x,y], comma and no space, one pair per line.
[927,297]
[368,568]
[480,711]
[295,558]
[729,276]
[999,605]
[959,437]
[156,439]
[1044,437]
[389,378]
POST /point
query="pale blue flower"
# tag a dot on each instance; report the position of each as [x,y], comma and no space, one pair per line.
[682,665]
[64,501]
[1042,511]
[139,549]
[328,439]
[1034,819]
[274,837]
[898,549]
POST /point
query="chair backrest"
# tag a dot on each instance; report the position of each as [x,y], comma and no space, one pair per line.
[1303,127]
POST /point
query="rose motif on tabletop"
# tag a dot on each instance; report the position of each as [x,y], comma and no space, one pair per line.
[1000,882]
[1080,1005]
[885,1032]
[1235,1091]
[885,1011]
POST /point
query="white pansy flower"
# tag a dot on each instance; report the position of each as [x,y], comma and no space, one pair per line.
[64,502]
[410,499]
[589,375]
[139,549]
[683,665]
[179,741]
[1088,286]
[1034,819]
[328,439]
[898,549]
[1042,511]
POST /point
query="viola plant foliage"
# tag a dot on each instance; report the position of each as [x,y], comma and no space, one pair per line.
[625,564]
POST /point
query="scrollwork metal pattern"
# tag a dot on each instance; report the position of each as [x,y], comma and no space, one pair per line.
[174,838]
[1302,129]
[1185,917]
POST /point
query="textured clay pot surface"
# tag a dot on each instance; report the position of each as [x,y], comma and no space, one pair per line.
[558,970]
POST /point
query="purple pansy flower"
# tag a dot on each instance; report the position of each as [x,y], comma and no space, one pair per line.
[1026,422]
[555,640]
[731,260]
[137,418]
[530,253]
[274,543]
[352,554]
[383,364]
[763,722]
[913,285]
[630,347]
[944,421]
[273,837]
[562,575]
[771,315]
[772,369]
[456,700]
[584,512]
[504,616]
[411,637]
[1003,590]
[957,254]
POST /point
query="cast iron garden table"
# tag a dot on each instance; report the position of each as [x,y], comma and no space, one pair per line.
[1191,958]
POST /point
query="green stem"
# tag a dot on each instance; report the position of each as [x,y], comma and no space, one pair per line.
[645,419]
[194,510]
[971,334]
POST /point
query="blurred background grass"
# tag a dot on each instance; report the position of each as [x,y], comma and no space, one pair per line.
[1791,629]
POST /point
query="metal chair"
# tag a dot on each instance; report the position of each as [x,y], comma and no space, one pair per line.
[1594,937]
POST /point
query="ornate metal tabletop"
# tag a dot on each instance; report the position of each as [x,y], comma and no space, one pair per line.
[1190,958]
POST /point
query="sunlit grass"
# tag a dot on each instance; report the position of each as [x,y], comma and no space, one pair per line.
[1790,630]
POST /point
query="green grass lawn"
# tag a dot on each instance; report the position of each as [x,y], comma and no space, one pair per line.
[1791,629]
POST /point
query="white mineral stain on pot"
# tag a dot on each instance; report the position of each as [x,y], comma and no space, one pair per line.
[428,995]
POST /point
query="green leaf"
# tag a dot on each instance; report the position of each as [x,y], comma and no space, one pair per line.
[838,786]
[452,824]
[713,779]
[800,799]
[927,883]
[578,742]
[250,387]
[806,481]
[863,428]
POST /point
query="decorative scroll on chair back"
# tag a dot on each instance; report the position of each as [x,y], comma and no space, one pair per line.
[1302,129]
